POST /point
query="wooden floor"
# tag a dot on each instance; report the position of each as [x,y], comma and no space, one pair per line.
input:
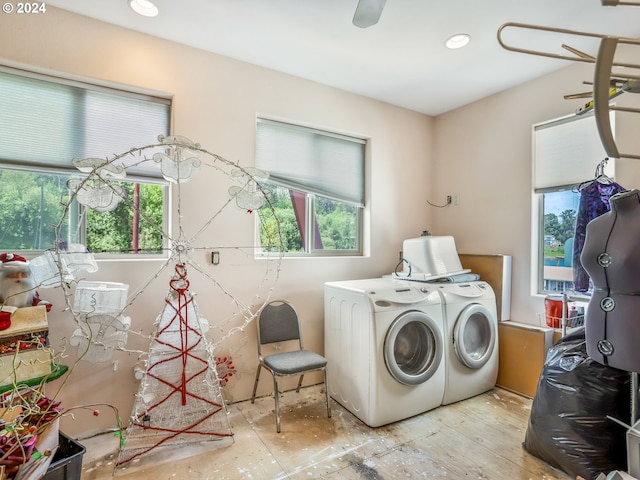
[479,438]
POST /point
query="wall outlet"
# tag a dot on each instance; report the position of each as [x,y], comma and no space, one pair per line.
[456,199]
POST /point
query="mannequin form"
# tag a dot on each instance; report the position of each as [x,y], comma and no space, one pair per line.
[611,257]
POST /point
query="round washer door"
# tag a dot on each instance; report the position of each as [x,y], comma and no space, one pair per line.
[474,335]
[413,348]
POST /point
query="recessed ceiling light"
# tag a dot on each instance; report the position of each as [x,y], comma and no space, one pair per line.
[458,40]
[144,7]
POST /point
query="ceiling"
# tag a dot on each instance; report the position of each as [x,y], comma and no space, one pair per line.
[401,60]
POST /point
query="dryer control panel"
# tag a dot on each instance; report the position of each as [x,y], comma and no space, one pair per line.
[469,290]
[406,294]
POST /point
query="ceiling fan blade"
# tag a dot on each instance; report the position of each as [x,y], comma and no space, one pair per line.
[368,12]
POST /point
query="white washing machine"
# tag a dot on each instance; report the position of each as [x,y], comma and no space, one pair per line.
[384,344]
[471,339]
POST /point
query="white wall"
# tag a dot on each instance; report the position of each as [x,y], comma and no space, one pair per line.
[216,101]
[490,140]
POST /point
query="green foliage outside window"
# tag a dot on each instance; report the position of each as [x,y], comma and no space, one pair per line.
[560,228]
[33,203]
[278,227]
[336,222]
[113,232]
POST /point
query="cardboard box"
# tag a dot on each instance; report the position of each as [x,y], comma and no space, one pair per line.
[23,354]
[496,271]
[523,351]
[26,320]
[21,366]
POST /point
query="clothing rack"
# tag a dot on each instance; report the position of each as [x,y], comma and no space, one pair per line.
[565,320]
[604,75]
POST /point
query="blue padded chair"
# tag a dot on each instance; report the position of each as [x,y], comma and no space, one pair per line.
[279,322]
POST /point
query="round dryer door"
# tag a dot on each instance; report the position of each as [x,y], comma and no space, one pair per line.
[413,348]
[474,336]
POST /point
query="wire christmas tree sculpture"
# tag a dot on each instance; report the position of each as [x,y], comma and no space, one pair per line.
[179,401]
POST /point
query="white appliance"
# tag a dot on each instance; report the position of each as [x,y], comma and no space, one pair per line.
[471,339]
[384,344]
[429,257]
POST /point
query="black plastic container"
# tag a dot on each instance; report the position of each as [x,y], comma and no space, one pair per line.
[67,462]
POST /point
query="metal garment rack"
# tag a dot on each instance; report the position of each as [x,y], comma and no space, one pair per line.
[566,298]
[604,75]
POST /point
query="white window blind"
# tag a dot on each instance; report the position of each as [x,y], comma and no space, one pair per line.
[566,152]
[46,122]
[313,161]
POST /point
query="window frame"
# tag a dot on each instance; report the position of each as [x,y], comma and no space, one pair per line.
[321,252]
[66,169]
[77,215]
[166,224]
[539,241]
[311,197]
[308,249]
[595,153]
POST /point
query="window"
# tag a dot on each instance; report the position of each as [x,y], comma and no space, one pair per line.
[566,152]
[559,209]
[316,179]
[46,122]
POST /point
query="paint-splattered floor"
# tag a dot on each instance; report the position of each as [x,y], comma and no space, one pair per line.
[479,438]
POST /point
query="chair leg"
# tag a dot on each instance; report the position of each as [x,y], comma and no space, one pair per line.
[299,384]
[326,389]
[276,395]
[255,384]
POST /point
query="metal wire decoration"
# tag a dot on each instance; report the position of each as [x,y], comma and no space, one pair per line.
[179,402]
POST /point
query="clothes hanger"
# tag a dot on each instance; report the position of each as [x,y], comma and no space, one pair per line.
[599,176]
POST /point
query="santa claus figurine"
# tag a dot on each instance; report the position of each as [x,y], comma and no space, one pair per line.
[17,286]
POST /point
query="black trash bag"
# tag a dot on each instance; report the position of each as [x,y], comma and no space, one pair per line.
[568,426]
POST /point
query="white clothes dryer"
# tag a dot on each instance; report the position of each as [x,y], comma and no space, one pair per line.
[384,345]
[471,339]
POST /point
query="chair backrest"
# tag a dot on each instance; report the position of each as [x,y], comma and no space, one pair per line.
[278,322]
